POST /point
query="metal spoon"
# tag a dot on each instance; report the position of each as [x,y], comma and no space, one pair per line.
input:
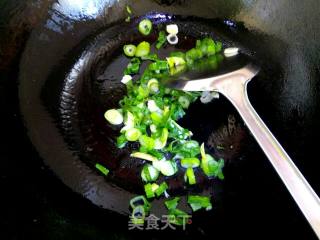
[231,80]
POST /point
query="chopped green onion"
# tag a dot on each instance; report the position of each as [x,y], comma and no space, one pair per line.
[176,131]
[140,201]
[113,116]
[161,39]
[198,202]
[180,217]
[184,101]
[193,55]
[210,166]
[138,215]
[126,79]
[147,142]
[133,67]
[102,169]
[172,29]
[151,57]
[172,203]
[128,123]
[121,141]
[145,27]
[133,134]
[152,106]
[172,39]
[149,173]
[176,65]
[144,156]
[167,167]
[189,176]
[178,54]
[218,47]
[207,46]
[142,93]
[150,112]
[202,151]
[150,189]
[230,52]
[143,49]
[153,128]
[128,19]
[161,189]
[159,67]
[188,149]
[129,50]
[161,142]
[153,85]
[128,9]
[190,162]
[156,118]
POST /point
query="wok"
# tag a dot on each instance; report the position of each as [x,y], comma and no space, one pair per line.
[57,78]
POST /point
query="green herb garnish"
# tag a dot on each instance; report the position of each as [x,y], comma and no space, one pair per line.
[102,169]
[149,114]
[145,27]
[162,38]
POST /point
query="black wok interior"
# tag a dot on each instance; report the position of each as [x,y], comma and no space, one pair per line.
[60,69]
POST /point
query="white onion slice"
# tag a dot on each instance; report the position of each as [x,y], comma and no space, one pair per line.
[126,78]
[172,29]
[230,52]
[172,39]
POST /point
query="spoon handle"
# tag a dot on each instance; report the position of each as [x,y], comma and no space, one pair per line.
[299,188]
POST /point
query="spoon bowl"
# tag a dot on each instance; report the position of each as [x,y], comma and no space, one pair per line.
[231,79]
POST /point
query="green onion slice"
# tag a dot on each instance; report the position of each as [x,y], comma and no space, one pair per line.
[190,177]
[175,61]
[143,49]
[161,189]
[149,173]
[145,27]
[161,142]
[210,166]
[144,156]
[161,39]
[126,79]
[121,141]
[150,189]
[190,162]
[147,142]
[152,106]
[153,85]
[197,202]
[166,167]
[128,122]
[172,39]
[114,116]
[180,217]
[133,67]
[102,169]
[176,65]
[153,128]
[184,101]
[140,201]
[129,50]
[128,9]
[172,29]
[172,203]
[133,134]
[138,215]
